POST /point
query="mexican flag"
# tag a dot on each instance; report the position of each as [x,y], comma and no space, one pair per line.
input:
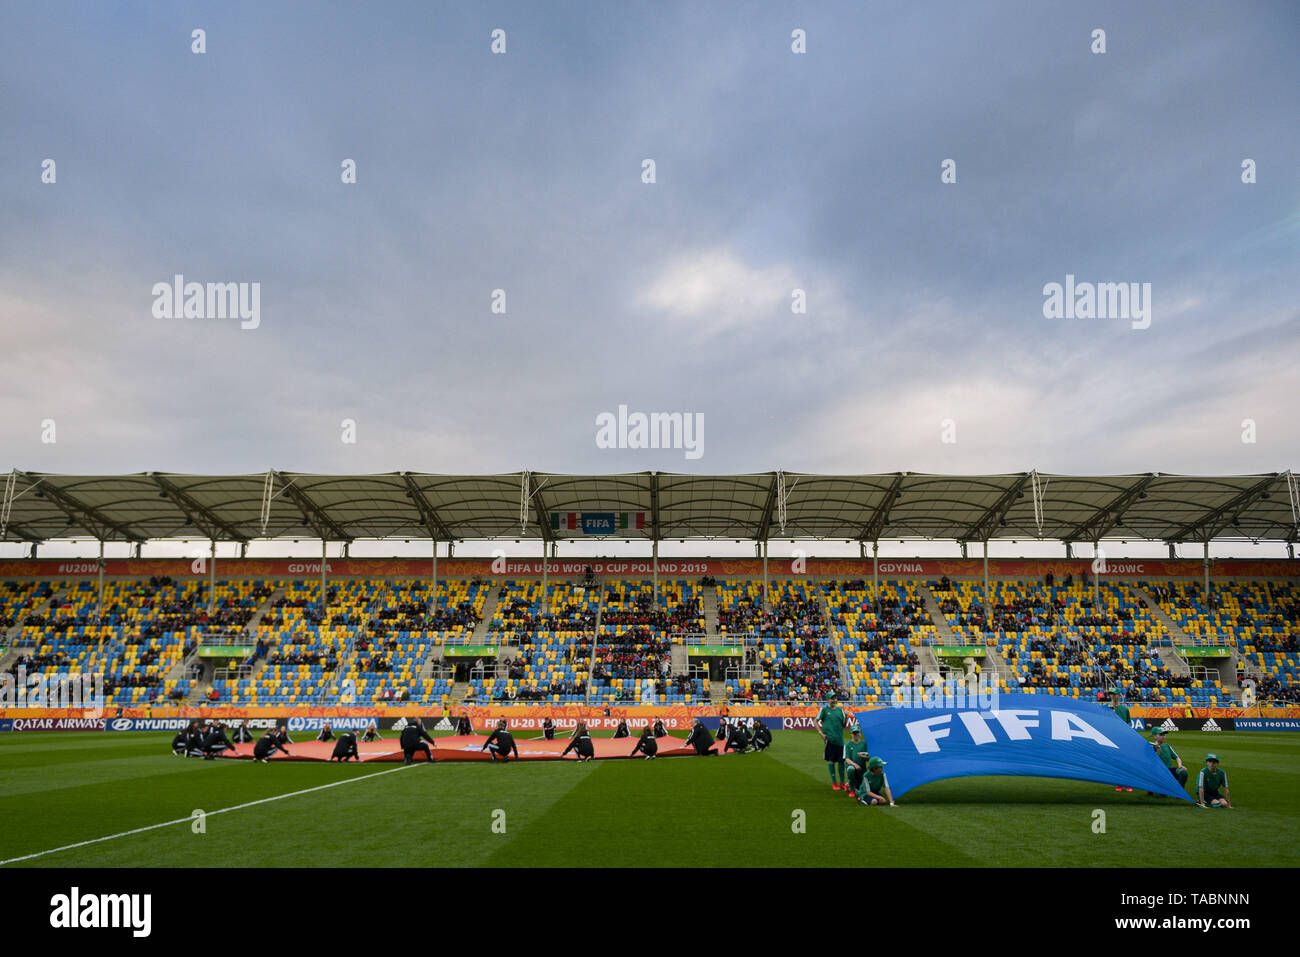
[629,520]
[563,520]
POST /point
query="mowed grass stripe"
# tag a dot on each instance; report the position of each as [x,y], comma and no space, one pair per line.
[192,819]
[899,837]
[38,745]
[434,816]
[81,800]
[42,764]
[726,811]
[1019,822]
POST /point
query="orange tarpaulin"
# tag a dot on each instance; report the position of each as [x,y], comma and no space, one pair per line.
[470,748]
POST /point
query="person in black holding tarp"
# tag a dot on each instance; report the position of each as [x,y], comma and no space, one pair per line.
[737,737]
[548,729]
[621,731]
[660,730]
[345,747]
[463,725]
[500,743]
[580,741]
[700,739]
[646,744]
[194,739]
[326,734]
[762,736]
[411,740]
[268,744]
[244,734]
[372,733]
[181,744]
[216,741]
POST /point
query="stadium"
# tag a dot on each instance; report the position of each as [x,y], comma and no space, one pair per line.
[722,442]
[1204,648]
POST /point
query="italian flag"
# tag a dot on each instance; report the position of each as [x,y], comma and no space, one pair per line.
[629,520]
[567,520]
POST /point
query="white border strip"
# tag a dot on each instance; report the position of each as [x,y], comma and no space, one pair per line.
[182,820]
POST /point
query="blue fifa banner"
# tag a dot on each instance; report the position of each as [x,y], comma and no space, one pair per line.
[1029,735]
[6,724]
[598,523]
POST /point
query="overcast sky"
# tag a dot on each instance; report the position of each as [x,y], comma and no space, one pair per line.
[774,171]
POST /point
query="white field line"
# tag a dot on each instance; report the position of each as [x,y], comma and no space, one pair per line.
[182,820]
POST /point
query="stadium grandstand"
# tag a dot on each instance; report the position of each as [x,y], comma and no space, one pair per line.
[456,631]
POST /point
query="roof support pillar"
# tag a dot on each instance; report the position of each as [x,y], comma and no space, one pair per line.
[546,594]
[875,571]
[1069,550]
[1098,566]
[767,606]
[433,597]
[323,599]
[1173,550]
[654,570]
[1205,562]
[987,601]
[99,603]
[212,578]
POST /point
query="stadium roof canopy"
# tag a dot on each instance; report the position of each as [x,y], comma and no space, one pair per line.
[759,506]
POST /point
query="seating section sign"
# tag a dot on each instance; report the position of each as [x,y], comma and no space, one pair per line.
[958,651]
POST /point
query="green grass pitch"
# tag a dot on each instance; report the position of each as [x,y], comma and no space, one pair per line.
[58,789]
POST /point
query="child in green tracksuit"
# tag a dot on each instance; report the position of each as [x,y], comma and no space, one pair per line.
[875,786]
[1170,758]
[1120,708]
[832,719]
[856,756]
[1212,784]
